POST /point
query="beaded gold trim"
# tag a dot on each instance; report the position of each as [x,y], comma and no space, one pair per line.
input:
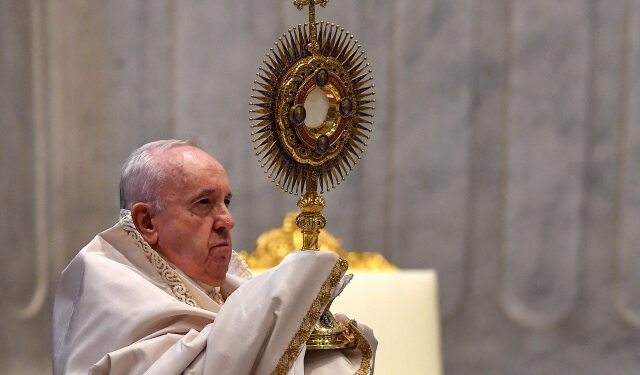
[365,349]
[216,296]
[313,314]
[169,275]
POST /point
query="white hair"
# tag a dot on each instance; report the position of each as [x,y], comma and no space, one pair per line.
[142,174]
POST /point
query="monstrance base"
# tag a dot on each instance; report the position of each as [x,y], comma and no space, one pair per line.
[329,333]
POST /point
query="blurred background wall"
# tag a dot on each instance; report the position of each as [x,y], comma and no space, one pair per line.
[506,155]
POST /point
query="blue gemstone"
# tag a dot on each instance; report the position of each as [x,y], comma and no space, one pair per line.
[346,106]
[298,114]
[322,144]
[322,77]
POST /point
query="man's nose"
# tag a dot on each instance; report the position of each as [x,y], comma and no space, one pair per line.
[224,219]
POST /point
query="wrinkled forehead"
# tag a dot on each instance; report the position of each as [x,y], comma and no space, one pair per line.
[188,167]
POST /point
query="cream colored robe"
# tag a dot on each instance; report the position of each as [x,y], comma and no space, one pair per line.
[121,308]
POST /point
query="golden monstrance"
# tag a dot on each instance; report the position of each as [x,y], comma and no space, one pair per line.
[312,105]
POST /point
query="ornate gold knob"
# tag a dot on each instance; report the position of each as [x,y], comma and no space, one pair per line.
[300,4]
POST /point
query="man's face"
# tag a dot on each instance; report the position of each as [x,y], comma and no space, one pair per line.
[194,224]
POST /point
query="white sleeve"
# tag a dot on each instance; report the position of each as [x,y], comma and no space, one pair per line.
[262,326]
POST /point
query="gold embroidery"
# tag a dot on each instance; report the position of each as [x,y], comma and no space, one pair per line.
[310,319]
[170,276]
[365,349]
[216,296]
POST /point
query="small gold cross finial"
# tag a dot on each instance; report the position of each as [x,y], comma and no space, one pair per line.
[300,4]
[313,46]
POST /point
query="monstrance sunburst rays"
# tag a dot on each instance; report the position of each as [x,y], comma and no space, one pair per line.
[290,149]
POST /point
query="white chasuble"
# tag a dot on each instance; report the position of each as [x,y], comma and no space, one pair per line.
[121,308]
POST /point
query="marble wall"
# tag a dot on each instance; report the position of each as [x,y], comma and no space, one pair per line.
[506,155]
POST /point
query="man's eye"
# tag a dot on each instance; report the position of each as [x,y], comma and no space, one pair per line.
[227,202]
[204,201]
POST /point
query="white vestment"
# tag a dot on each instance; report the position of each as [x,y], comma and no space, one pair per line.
[121,308]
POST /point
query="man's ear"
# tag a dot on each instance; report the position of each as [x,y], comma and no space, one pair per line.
[142,215]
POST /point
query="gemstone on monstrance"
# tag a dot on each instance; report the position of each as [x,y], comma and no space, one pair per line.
[298,114]
[322,144]
[346,106]
[322,77]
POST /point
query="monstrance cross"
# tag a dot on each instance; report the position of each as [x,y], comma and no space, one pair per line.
[313,46]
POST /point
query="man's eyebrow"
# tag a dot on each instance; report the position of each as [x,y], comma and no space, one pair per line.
[206,192]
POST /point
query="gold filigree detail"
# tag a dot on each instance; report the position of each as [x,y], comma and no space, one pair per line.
[313,314]
[300,4]
[367,354]
[272,246]
[310,220]
[293,91]
[311,203]
[169,275]
[216,296]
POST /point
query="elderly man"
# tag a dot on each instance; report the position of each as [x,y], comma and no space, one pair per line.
[162,292]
